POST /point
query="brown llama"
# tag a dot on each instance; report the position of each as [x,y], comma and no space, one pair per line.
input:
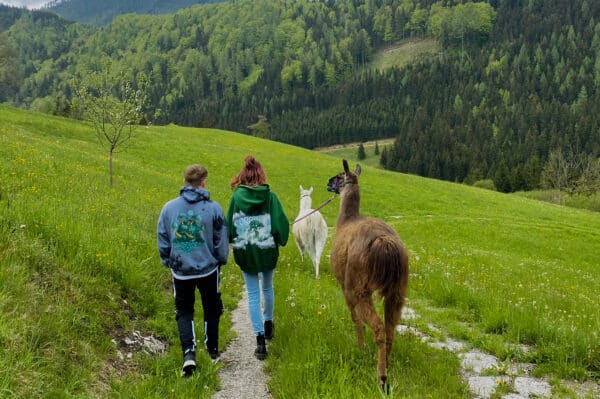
[368,257]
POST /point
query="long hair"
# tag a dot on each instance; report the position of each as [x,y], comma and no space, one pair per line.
[252,174]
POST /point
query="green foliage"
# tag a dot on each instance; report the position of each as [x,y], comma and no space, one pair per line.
[496,270]
[260,128]
[360,152]
[326,73]
[487,184]
[113,106]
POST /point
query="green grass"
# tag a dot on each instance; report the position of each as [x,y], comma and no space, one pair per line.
[402,53]
[350,152]
[496,270]
[581,201]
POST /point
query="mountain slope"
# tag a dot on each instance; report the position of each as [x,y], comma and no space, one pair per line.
[79,268]
[102,13]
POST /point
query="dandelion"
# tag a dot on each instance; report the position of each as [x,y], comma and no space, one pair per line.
[22,226]
[323,307]
[293,304]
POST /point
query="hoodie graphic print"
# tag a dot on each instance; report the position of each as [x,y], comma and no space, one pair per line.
[252,229]
[188,231]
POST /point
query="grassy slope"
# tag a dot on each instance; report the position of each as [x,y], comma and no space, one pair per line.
[486,267]
[404,52]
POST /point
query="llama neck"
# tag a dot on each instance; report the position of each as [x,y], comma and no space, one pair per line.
[349,204]
[305,202]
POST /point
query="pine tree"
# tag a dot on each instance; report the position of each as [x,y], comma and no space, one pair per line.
[361,152]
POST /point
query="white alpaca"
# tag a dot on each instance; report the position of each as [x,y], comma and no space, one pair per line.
[310,232]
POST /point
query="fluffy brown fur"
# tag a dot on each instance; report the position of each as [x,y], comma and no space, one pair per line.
[368,257]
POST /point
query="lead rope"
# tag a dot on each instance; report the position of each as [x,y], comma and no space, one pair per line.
[314,210]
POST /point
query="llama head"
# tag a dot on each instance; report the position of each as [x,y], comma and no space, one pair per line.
[337,182]
[304,192]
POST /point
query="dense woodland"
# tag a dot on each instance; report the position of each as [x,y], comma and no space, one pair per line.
[514,81]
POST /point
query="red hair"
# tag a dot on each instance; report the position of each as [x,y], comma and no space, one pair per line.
[252,174]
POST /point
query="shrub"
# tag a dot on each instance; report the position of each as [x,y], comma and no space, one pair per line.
[488,184]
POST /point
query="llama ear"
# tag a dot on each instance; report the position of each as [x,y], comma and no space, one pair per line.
[301,189]
[357,170]
[310,190]
[346,168]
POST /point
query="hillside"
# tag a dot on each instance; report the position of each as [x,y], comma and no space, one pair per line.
[102,13]
[78,268]
[403,53]
[512,82]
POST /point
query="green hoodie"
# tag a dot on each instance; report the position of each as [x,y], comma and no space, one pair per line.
[257,226]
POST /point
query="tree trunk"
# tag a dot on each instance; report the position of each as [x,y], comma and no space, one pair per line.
[110,166]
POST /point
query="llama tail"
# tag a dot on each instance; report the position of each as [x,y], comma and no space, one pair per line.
[388,263]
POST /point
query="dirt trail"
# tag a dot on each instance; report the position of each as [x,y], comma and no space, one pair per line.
[242,375]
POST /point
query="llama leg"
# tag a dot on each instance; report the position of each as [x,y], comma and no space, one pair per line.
[300,248]
[366,311]
[392,308]
[313,257]
[318,254]
[358,323]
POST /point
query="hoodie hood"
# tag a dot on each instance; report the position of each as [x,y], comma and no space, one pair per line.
[194,194]
[250,198]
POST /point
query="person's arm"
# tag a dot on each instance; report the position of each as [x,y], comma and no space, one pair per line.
[279,221]
[230,226]
[220,237]
[163,238]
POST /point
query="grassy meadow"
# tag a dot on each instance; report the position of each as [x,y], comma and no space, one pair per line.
[350,152]
[79,268]
[402,53]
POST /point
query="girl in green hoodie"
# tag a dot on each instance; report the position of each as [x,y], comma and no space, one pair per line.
[257,226]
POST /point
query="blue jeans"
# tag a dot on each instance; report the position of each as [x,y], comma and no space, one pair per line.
[252,286]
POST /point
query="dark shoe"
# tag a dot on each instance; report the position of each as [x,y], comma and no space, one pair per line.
[189,364]
[269,329]
[214,355]
[261,347]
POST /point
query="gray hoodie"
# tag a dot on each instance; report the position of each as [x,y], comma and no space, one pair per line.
[192,234]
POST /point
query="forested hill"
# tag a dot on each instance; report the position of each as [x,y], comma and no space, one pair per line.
[514,81]
[102,12]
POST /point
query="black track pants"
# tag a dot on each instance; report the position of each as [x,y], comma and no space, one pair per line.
[184,291]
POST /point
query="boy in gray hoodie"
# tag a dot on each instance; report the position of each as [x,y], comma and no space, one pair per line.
[192,241]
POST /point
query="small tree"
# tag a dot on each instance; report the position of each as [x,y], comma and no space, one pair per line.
[361,152]
[589,182]
[261,128]
[114,108]
[562,171]
[376,148]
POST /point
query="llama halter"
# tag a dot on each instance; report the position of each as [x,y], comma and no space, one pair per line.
[314,210]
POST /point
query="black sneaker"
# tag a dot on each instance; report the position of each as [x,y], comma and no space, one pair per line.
[214,355]
[189,364]
[261,347]
[269,329]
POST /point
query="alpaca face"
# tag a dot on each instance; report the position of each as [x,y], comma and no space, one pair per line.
[337,182]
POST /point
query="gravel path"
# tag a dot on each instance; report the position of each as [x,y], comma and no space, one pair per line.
[242,375]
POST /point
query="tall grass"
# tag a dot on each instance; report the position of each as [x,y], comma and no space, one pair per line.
[78,265]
